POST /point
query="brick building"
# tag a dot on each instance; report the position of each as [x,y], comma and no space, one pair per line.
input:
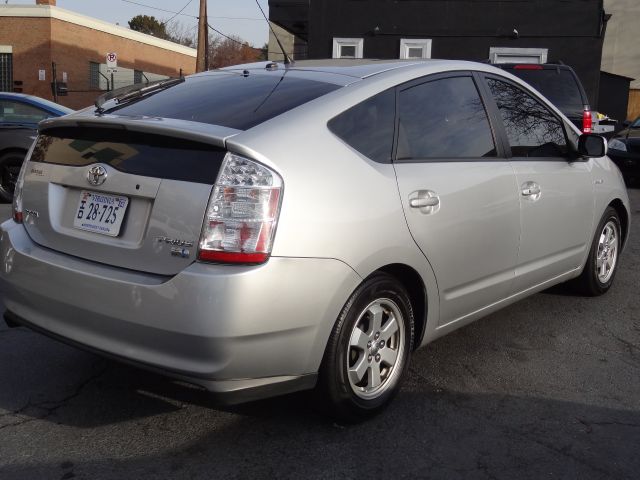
[32,37]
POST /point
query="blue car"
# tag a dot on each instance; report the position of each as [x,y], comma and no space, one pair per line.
[19,118]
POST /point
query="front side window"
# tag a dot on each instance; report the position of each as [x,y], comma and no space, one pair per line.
[348,47]
[17,112]
[532,129]
[443,119]
[368,127]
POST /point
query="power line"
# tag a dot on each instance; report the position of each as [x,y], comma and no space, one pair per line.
[214,29]
[179,12]
[186,14]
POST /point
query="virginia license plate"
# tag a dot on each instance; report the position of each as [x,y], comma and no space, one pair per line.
[100,213]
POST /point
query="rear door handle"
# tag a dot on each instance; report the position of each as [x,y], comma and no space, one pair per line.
[426,201]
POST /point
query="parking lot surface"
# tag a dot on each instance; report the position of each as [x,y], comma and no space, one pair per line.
[546,388]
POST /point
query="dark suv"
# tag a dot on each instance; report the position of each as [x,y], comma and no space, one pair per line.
[560,84]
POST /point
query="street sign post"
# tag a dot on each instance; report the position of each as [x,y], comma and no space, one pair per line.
[112,66]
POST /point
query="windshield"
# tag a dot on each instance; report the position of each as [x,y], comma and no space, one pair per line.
[228,99]
[636,123]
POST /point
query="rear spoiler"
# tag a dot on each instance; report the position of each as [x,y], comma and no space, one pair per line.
[196,131]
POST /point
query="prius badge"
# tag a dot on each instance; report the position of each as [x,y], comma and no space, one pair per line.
[96,175]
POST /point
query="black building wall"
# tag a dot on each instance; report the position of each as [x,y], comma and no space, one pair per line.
[572,30]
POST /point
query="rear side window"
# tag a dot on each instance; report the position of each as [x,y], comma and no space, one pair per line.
[368,127]
[229,99]
[131,152]
[444,119]
[532,129]
[558,85]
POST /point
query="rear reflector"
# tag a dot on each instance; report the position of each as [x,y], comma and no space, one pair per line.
[528,67]
[232,257]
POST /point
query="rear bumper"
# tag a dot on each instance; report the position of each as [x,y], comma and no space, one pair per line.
[241,332]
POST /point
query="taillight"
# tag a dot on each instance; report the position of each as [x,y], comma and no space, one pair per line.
[587,121]
[243,210]
[17,191]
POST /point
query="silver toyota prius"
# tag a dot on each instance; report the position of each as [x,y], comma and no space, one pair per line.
[266,228]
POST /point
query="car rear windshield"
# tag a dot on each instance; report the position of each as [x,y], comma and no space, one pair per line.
[229,99]
[558,85]
[136,153]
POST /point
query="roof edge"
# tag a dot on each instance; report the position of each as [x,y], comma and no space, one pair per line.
[47,11]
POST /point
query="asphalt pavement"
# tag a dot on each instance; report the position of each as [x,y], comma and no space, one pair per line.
[548,388]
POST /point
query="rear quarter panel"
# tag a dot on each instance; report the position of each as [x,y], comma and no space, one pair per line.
[336,203]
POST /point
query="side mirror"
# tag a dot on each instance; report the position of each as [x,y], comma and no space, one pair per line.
[626,123]
[592,146]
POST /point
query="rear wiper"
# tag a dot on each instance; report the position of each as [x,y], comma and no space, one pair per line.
[126,94]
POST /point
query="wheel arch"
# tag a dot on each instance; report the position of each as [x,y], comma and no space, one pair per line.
[619,207]
[414,284]
[14,150]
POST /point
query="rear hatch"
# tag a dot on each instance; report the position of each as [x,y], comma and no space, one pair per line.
[128,184]
[129,199]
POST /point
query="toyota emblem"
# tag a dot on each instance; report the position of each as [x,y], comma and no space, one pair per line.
[97,175]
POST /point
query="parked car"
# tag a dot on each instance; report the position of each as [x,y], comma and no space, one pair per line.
[19,117]
[624,150]
[560,84]
[261,230]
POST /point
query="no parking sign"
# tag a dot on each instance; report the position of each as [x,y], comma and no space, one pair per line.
[112,62]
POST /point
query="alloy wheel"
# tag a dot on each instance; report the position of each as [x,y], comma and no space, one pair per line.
[375,348]
[607,254]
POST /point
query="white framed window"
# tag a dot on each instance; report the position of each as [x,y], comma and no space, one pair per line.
[348,47]
[518,55]
[415,48]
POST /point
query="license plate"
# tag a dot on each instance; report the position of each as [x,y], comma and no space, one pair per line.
[100,213]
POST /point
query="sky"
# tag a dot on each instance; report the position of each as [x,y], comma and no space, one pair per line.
[243,18]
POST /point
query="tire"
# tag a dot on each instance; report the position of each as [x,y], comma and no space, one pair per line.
[601,267]
[10,164]
[364,337]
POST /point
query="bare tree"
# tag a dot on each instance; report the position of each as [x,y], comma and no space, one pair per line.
[181,33]
[231,51]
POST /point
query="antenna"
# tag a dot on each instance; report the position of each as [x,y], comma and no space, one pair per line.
[287,60]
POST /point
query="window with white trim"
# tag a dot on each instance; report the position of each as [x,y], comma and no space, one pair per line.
[415,48]
[348,47]
[518,55]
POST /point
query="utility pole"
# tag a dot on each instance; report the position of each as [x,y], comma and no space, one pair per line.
[202,62]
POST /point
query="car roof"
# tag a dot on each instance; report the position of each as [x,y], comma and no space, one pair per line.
[340,71]
[37,101]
